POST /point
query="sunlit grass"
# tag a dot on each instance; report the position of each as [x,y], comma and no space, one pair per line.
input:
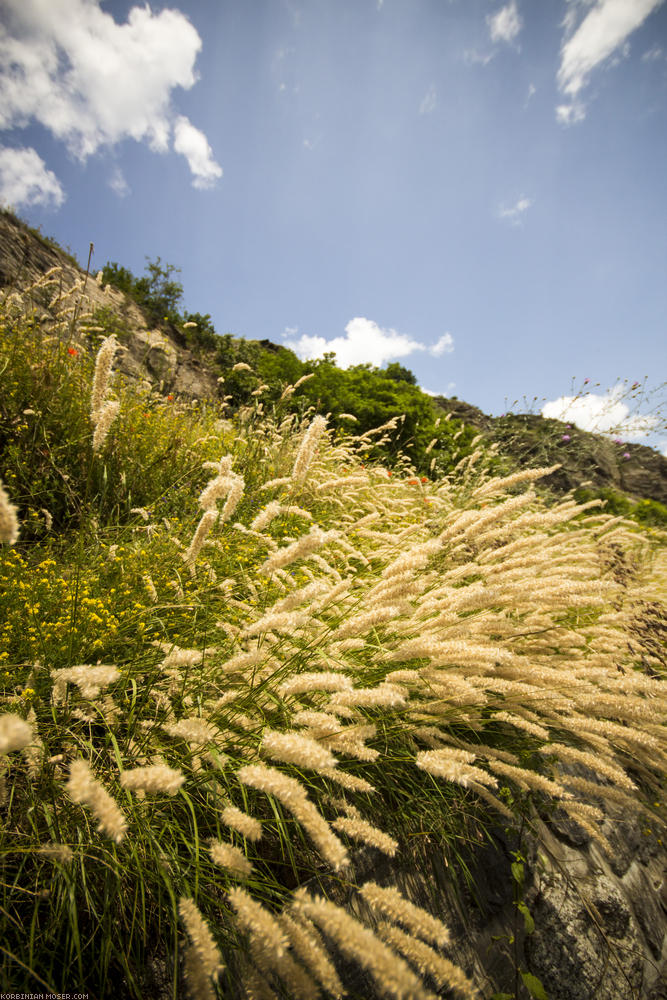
[454,638]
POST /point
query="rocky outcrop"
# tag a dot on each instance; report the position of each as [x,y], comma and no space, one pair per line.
[600,923]
[584,458]
[158,356]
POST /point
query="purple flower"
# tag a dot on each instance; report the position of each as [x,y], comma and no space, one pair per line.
[626,454]
[566,437]
[586,381]
[617,441]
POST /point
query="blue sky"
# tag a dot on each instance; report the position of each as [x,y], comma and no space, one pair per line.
[473,188]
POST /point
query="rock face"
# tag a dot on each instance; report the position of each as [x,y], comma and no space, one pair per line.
[584,457]
[600,924]
[157,355]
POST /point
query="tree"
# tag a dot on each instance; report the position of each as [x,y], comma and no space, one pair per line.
[202,334]
[400,374]
[158,292]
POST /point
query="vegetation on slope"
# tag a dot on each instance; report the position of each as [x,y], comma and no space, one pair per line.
[371,395]
[233,651]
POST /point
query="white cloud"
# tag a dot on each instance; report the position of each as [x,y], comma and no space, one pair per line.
[118,183]
[364,343]
[25,180]
[603,30]
[655,52]
[532,90]
[429,101]
[194,146]
[444,346]
[473,56]
[514,213]
[506,24]
[91,82]
[570,114]
[603,414]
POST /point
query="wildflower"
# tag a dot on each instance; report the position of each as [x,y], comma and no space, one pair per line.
[359,829]
[105,417]
[392,974]
[308,945]
[586,381]
[269,947]
[73,351]
[9,522]
[89,679]
[391,903]
[15,733]
[626,454]
[566,437]
[325,681]
[453,765]
[428,961]
[307,450]
[193,730]
[424,479]
[231,858]
[170,397]
[208,519]
[203,960]
[293,796]
[248,826]
[103,364]
[304,546]
[635,385]
[291,748]
[57,852]
[156,778]
[177,657]
[83,787]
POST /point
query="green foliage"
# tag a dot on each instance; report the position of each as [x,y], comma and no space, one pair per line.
[650,513]
[201,335]
[157,292]
[151,459]
[534,986]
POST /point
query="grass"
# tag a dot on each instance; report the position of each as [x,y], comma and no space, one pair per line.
[456,643]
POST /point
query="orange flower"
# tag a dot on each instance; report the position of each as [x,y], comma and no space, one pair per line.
[413,482]
[170,397]
[73,351]
[424,479]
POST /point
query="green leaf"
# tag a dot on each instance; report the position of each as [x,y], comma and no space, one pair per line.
[534,986]
[517,872]
[527,918]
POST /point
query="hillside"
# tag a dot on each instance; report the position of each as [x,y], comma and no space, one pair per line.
[197,364]
[285,714]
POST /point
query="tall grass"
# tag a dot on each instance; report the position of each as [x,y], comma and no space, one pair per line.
[235,652]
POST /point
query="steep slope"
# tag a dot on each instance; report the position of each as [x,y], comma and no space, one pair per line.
[162,355]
